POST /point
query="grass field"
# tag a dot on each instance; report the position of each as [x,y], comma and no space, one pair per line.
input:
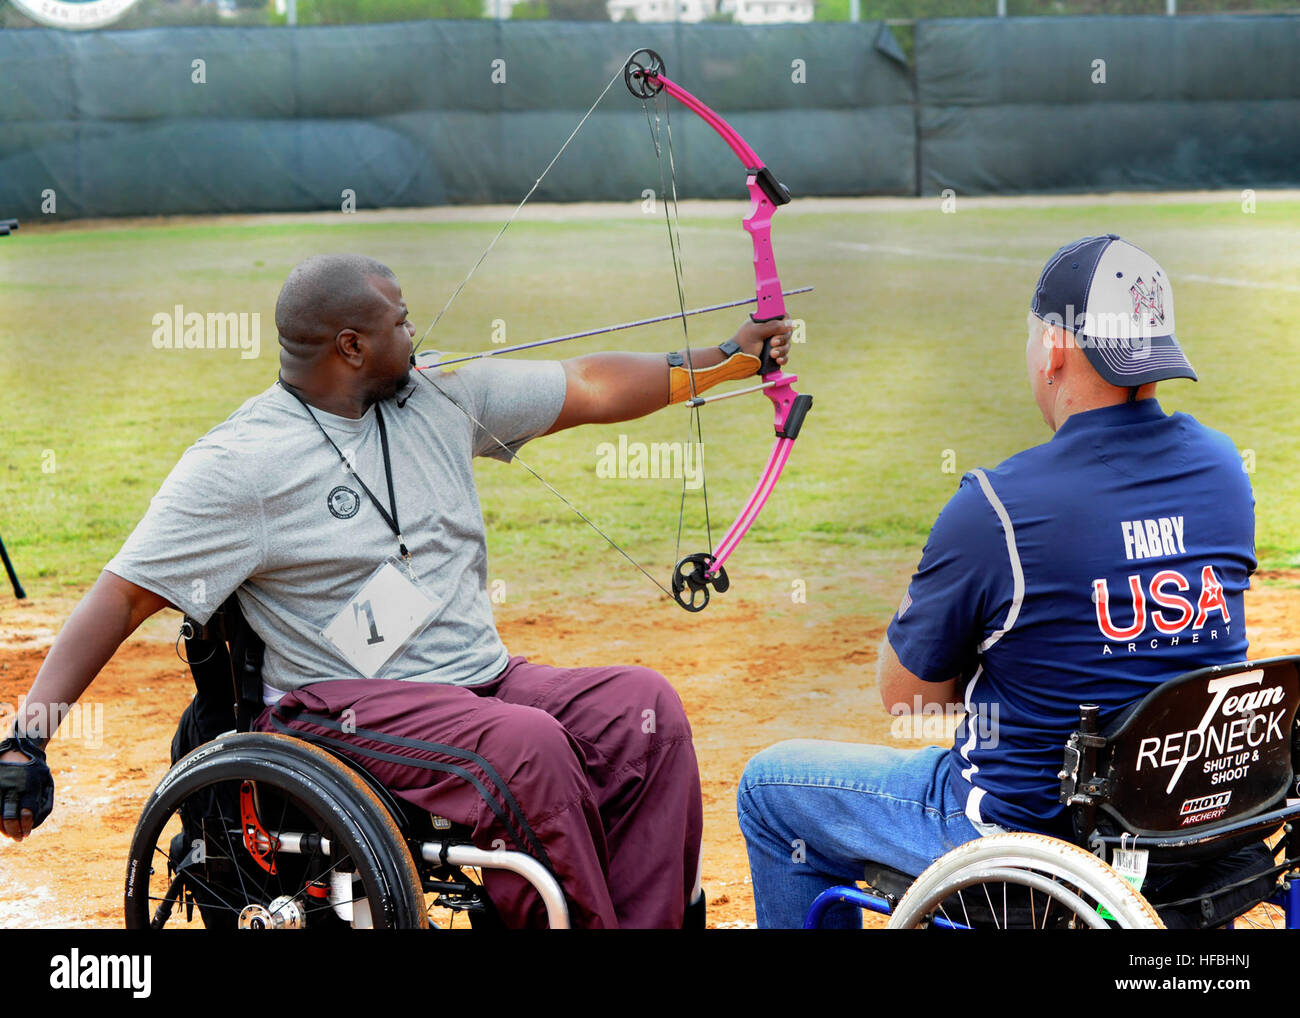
[914,347]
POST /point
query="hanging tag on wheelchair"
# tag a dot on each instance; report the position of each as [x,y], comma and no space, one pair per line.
[1131,864]
[381,617]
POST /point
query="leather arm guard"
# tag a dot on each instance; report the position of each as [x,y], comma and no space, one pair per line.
[736,365]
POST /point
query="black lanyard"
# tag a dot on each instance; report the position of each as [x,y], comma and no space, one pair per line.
[389,518]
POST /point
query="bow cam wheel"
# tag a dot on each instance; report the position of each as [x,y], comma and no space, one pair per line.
[642,74]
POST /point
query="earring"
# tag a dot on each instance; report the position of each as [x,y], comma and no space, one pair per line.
[1051,380]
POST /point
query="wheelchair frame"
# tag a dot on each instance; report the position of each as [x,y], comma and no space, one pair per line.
[402,848]
[1099,795]
[370,831]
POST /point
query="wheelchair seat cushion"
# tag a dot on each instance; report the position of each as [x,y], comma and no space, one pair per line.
[887,881]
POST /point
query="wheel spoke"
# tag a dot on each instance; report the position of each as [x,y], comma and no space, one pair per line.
[328,818]
[189,875]
[1046,909]
[230,848]
[1070,883]
[992,911]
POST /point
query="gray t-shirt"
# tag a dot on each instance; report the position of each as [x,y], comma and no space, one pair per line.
[264,505]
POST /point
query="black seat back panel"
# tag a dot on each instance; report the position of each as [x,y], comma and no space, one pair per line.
[1206,748]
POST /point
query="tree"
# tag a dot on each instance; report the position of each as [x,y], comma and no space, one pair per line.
[356,12]
[578,10]
[534,10]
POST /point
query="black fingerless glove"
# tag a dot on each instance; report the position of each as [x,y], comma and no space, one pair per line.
[25,786]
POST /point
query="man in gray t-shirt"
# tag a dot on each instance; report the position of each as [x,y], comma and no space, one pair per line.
[264,504]
[339,505]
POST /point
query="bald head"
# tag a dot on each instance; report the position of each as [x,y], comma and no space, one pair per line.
[345,334]
[325,295]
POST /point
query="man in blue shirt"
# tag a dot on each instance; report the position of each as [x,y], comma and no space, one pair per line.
[1087,569]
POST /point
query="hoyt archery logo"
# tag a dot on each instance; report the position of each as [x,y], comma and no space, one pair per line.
[1148,300]
[1206,804]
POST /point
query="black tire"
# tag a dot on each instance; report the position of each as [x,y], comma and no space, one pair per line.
[295,787]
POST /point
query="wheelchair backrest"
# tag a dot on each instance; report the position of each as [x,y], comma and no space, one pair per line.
[1207,747]
[225,659]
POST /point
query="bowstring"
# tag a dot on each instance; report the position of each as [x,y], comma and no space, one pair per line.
[668,190]
[681,298]
[550,487]
[536,183]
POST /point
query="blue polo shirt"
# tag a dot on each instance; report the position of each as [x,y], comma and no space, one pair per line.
[1087,569]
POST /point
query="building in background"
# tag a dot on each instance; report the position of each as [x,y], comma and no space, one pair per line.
[660,10]
[502,9]
[767,12]
[743,12]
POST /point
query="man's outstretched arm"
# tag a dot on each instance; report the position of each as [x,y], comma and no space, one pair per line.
[602,388]
[105,617]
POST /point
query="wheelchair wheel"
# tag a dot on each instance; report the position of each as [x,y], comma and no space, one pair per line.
[264,831]
[1022,880]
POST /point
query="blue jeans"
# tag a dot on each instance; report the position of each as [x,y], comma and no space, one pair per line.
[815,813]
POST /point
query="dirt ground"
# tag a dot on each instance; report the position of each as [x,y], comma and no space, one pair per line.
[746,684]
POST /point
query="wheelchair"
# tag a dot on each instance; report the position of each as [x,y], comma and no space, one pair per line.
[256,830]
[1192,795]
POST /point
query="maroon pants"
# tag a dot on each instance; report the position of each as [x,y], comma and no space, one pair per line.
[590,770]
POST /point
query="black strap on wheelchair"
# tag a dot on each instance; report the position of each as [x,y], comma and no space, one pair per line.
[225,659]
[1218,902]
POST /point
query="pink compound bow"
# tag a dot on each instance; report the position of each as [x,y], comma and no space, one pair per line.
[695,574]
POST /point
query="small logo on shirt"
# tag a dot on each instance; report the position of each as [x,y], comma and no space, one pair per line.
[343,502]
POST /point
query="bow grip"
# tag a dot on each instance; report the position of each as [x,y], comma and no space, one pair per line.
[768,365]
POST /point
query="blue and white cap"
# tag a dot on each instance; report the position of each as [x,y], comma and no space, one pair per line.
[1117,301]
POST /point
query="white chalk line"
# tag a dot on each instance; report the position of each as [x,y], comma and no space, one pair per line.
[1186,277]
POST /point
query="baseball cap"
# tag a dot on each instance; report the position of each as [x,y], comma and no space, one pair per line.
[1117,301]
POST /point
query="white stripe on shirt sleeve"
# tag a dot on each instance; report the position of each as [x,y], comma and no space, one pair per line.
[1017,574]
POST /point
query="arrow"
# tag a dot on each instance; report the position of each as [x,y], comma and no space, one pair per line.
[602,330]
